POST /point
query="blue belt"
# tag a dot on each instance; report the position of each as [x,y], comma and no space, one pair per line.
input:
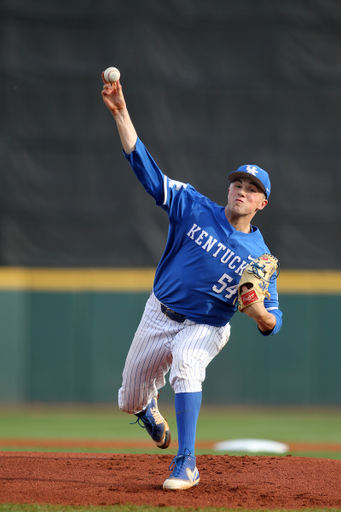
[172,314]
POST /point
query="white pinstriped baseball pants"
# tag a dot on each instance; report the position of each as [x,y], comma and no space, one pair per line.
[161,344]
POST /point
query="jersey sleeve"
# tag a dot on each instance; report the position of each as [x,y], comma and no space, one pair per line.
[147,171]
[167,193]
[179,199]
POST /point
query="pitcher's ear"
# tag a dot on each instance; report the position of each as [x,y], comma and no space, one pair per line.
[263,204]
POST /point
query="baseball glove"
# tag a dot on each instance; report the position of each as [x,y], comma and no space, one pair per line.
[256,277]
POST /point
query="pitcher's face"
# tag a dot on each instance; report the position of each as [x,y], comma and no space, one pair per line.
[245,197]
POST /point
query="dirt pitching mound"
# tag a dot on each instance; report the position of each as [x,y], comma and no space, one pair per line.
[226,481]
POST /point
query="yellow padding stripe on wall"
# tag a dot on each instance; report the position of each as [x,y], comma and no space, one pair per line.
[89,279]
[141,280]
[309,281]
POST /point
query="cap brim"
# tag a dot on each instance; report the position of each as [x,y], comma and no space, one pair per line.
[237,174]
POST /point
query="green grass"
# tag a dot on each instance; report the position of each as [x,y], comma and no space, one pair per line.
[134,508]
[95,422]
[282,424]
[215,424]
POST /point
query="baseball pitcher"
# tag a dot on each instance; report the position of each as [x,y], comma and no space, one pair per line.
[215,263]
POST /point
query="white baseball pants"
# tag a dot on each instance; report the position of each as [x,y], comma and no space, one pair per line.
[161,344]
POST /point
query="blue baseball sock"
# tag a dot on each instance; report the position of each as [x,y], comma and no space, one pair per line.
[187,407]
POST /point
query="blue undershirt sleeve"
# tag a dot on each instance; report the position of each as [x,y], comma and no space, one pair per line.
[278,314]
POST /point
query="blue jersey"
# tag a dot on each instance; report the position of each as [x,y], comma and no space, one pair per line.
[204,257]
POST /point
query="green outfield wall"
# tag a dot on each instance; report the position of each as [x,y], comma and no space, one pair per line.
[65,334]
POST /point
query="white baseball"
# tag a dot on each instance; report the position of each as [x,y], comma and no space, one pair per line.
[112,75]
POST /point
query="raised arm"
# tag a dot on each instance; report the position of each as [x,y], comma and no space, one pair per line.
[113,98]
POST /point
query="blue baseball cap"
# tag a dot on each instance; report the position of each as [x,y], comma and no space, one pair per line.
[254,173]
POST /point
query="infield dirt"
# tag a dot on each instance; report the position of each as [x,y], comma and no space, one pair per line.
[226,481]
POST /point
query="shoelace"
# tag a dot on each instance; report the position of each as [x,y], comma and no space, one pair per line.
[178,462]
[145,423]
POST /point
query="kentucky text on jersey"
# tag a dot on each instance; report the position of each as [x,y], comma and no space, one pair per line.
[228,256]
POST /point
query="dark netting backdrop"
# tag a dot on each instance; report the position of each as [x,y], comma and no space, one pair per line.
[210,85]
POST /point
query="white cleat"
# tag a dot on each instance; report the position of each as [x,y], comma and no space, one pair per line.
[184,473]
